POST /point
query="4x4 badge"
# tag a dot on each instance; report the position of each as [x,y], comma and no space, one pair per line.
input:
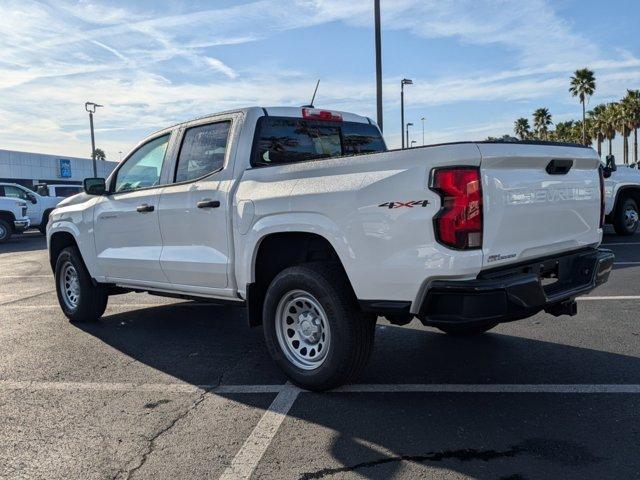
[409,204]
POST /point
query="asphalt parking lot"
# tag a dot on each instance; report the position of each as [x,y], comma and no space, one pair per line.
[161,388]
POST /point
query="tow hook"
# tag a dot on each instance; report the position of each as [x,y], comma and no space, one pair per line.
[568,307]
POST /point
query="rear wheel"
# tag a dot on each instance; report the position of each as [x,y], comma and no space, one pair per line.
[626,218]
[466,330]
[313,328]
[80,299]
[5,231]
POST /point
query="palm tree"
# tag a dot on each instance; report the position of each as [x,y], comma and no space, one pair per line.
[100,155]
[631,105]
[583,84]
[563,132]
[597,121]
[610,115]
[621,125]
[541,122]
[521,128]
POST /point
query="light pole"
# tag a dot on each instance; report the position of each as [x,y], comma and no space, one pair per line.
[91,108]
[378,35]
[422,130]
[408,125]
[403,82]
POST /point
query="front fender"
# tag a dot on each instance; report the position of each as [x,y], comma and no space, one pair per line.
[77,222]
[302,222]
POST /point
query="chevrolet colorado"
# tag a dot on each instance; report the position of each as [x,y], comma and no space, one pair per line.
[303,216]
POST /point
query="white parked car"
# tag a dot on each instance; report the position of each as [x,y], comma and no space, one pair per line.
[622,189]
[304,217]
[38,207]
[13,217]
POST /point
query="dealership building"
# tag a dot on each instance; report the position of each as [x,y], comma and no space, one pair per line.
[29,169]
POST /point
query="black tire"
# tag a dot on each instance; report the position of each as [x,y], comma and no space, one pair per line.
[91,300]
[43,225]
[5,231]
[625,220]
[466,329]
[351,331]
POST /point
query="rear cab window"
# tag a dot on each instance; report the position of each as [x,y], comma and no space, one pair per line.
[282,140]
[202,151]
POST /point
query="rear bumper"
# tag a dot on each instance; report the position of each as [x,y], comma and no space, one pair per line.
[519,291]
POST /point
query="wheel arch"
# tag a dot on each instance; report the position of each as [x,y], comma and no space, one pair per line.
[275,251]
[625,191]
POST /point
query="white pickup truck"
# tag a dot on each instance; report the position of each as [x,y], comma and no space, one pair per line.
[13,217]
[622,195]
[304,217]
[38,207]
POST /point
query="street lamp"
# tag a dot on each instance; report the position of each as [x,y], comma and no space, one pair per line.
[423,119]
[403,82]
[378,62]
[91,108]
[408,125]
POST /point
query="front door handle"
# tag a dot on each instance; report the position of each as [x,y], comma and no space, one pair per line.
[145,208]
[207,203]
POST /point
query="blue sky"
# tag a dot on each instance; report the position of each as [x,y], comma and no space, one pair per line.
[477,65]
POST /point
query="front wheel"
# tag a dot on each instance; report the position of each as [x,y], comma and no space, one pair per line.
[466,330]
[626,218]
[313,328]
[80,299]
[5,231]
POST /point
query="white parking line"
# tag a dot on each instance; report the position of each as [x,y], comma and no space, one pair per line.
[247,459]
[26,276]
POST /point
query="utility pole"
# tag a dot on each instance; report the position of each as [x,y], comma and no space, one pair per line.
[422,130]
[378,35]
[403,82]
[91,108]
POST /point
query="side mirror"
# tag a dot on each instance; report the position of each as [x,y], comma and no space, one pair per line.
[32,198]
[611,163]
[94,186]
[606,172]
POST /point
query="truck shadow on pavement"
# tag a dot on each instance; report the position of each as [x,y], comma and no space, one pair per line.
[379,435]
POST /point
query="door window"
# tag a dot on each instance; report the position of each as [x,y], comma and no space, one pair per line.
[15,192]
[143,168]
[203,151]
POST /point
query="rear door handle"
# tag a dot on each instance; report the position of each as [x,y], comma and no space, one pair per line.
[145,208]
[207,203]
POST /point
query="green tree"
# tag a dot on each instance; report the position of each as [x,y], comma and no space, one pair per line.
[521,128]
[631,106]
[597,122]
[541,122]
[563,132]
[610,120]
[583,84]
[100,155]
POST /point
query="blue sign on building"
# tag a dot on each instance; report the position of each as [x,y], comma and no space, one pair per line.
[65,168]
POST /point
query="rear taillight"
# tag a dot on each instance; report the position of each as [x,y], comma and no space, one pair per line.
[602,199]
[458,224]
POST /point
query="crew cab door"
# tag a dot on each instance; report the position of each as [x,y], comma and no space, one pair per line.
[193,211]
[126,228]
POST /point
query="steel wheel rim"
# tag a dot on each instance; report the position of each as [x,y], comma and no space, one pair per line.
[630,217]
[69,285]
[302,329]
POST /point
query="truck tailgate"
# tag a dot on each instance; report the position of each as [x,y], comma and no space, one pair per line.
[533,207]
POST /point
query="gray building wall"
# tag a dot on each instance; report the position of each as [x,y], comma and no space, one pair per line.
[28,168]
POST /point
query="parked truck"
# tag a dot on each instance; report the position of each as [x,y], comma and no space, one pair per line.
[622,194]
[13,217]
[38,207]
[302,216]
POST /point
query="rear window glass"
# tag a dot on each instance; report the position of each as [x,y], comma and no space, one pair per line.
[203,150]
[288,140]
